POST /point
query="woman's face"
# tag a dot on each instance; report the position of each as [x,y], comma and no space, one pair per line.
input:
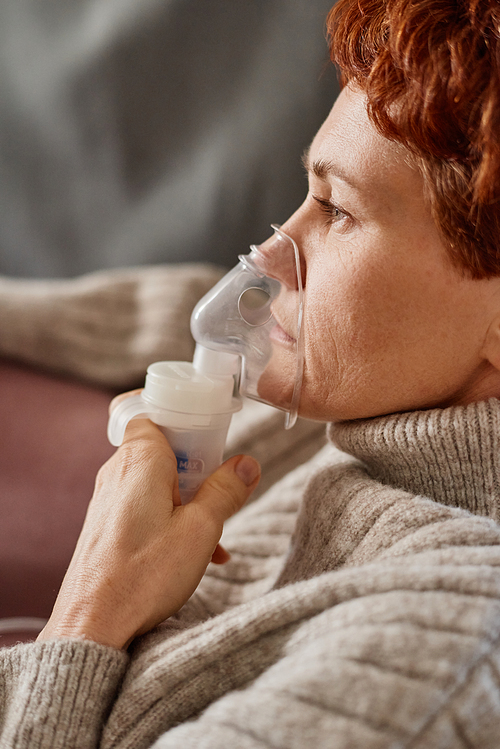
[389,324]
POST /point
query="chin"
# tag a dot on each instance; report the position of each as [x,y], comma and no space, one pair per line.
[276,383]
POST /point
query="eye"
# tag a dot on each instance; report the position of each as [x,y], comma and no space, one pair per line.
[333,213]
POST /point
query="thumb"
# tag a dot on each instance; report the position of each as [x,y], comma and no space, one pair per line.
[229,487]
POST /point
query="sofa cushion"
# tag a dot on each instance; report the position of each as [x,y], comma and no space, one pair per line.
[52,442]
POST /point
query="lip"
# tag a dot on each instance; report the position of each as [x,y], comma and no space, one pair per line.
[278,335]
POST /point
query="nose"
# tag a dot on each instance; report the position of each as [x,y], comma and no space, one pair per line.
[294,227]
[280,258]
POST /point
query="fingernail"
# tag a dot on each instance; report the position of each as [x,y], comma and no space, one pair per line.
[247,469]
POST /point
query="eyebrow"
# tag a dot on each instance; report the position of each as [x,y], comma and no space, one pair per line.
[323,168]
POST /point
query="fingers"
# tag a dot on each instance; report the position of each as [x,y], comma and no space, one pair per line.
[226,491]
[143,429]
[138,429]
[220,555]
[145,452]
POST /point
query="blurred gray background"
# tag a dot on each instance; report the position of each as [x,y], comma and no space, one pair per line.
[151,131]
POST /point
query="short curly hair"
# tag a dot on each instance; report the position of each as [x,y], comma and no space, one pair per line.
[431,73]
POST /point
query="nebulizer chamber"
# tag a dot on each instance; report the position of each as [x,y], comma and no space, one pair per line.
[193,402]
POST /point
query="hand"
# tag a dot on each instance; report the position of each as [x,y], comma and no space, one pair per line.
[141,554]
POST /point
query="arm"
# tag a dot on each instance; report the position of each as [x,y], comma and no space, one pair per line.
[139,557]
[141,554]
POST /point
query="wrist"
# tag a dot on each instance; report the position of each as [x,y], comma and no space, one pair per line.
[83,628]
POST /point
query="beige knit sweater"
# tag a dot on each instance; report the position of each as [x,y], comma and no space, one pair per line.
[361,608]
[380,627]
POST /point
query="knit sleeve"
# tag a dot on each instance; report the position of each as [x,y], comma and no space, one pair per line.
[57,694]
[104,327]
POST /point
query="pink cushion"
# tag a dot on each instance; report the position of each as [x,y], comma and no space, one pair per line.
[52,442]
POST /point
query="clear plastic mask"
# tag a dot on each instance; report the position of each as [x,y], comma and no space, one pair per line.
[255,311]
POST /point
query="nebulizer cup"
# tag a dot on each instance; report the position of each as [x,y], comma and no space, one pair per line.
[249,343]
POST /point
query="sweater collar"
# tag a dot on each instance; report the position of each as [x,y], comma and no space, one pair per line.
[450,455]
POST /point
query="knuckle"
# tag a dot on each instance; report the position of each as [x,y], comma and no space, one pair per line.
[128,462]
[206,526]
[104,472]
[142,451]
[227,495]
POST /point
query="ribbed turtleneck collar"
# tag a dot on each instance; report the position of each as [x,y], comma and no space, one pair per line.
[451,455]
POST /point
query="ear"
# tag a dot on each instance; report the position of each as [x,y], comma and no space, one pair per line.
[491,346]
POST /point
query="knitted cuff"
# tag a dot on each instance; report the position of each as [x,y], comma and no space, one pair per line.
[58,693]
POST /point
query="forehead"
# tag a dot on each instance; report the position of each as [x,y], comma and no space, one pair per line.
[349,148]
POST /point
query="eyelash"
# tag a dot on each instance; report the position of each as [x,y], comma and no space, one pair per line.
[333,212]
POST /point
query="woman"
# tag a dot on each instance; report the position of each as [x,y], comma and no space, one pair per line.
[380,625]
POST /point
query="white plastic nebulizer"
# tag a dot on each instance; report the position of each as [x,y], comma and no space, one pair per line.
[248,334]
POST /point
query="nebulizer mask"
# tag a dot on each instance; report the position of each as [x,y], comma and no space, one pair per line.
[248,343]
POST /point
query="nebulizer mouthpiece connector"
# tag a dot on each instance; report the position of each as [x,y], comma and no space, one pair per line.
[238,352]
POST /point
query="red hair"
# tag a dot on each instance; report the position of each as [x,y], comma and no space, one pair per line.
[431,73]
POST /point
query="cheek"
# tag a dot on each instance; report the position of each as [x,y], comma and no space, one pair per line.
[358,324]
[326,341]
[379,341]
[380,330]
[276,382]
